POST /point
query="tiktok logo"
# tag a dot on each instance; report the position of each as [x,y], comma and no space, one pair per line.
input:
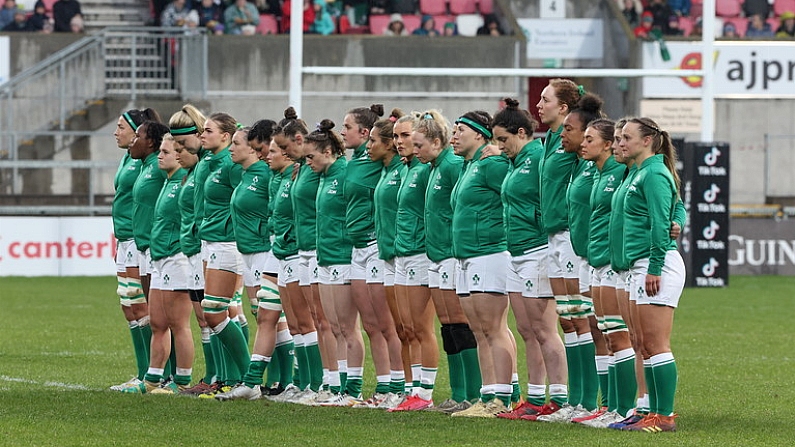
[708,269]
[711,230]
[711,194]
[711,157]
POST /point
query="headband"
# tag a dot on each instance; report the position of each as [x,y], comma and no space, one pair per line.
[475,126]
[184,130]
[130,121]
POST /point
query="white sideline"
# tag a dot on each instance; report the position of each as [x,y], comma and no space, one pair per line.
[67,386]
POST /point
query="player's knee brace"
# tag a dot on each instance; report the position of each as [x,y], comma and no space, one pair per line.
[215,304]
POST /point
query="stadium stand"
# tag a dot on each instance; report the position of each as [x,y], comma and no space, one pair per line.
[268,24]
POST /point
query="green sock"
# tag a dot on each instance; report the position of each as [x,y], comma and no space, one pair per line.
[209,363]
[233,373]
[232,339]
[353,383]
[141,360]
[244,330]
[146,334]
[537,393]
[573,360]
[315,366]
[665,381]
[487,395]
[182,380]
[504,396]
[590,380]
[286,356]
[650,385]
[626,381]
[516,392]
[608,385]
[153,377]
[471,364]
[455,366]
[382,384]
[558,393]
[218,359]
[343,369]
[304,375]
[272,372]
[397,381]
[171,365]
[256,369]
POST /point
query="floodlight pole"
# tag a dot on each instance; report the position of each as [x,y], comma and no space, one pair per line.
[708,66]
[296,54]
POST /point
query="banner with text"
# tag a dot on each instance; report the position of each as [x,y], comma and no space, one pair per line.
[564,38]
[57,246]
[752,69]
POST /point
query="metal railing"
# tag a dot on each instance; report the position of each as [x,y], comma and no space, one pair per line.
[38,106]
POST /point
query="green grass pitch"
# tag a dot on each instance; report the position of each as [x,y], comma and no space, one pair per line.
[63,341]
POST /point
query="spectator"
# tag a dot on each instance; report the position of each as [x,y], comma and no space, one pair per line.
[324,23]
[491,26]
[76,25]
[175,13]
[697,28]
[631,10]
[643,31]
[680,7]
[673,27]
[356,10]
[241,17]
[753,7]
[273,7]
[403,6]
[379,6]
[211,16]
[396,26]
[427,28]
[661,12]
[309,16]
[758,27]
[40,21]
[7,13]
[62,13]
[787,27]
[450,29]
[20,22]
[730,30]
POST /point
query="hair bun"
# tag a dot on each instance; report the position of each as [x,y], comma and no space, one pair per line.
[378,109]
[326,125]
[511,103]
[290,113]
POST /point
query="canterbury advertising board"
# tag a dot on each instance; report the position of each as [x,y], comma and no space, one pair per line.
[742,70]
[57,246]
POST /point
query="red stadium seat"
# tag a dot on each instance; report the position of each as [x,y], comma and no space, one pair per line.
[463,7]
[696,9]
[48,4]
[486,6]
[774,23]
[783,5]
[412,22]
[267,24]
[728,8]
[379,23]
[433,7]
[740,23]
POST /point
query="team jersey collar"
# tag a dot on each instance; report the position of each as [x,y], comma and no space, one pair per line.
[478,153]
[523,153]
[654,159]
[360,151]
[442,155]
[394,163]
[335,167]
[413,162]
[609,163]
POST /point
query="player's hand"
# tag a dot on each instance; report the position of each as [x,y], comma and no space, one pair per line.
[676,230]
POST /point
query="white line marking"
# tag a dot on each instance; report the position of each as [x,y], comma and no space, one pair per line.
[67,386]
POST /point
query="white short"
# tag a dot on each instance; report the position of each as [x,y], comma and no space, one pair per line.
[441,275]
[672,281]
[204,254]
[253,264]
[271,266]
[288,270]
[412,270]
[224,256]
[483,274]
[562,260]
[145,265]
[307,268]
[196,272]
[337,274]
[126,255]
[604,276]
[389,273]
[171,273]
[586,272]
[528,274]
[366,265]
